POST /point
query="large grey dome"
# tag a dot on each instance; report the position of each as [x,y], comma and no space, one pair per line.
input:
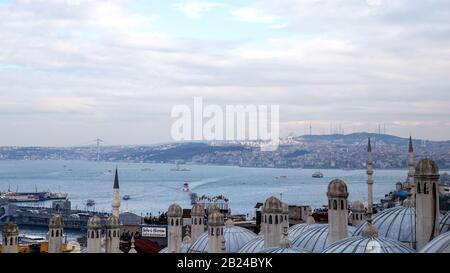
[440,244]
[297,230]
[315,238]
[235,238]
[444,225]
[253,246]
[361,244]
[283,250]
[397,223]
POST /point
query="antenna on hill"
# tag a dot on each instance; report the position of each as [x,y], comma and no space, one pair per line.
[310,129]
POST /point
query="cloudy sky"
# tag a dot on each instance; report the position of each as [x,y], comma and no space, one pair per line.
[75,70]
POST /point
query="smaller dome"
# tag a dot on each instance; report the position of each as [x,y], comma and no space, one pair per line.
[253,246]
[112,221]
[11,229]
[440,244]
[283,250]
[94,222]
[337,188]
[361,244]
[315,238]
[369,230]
[272,205]
[56,221]
[215,219]
[211,208]
[285,208]
[235,238]
[358,206]
[444,225]
[197,210]
[426,167]
[174,211]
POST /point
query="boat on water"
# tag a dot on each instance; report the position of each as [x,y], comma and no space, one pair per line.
[126,197]
[146,169]
[31,239]
[281,177]
[185,187]
[178,168]
[317,175]
[33,196]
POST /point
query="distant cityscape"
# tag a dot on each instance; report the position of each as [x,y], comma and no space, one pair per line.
[309,151]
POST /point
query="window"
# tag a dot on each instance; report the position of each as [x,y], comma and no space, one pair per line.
[6,241]
[195,221]
[98,235]
[57,233]
[342,204]
[276,219]
[171,222]
[176,222]
[334,204]
[212,232]
[114,233]
[419,189]
[92,234]
[11,241]
[425,188]
[53,233]
[270,219]
[218,231]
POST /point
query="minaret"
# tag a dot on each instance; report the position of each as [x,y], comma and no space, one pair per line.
[197,221]
[10,238]
[116,196]
[55,234]
[284,216]
[174,220]
[337,210]
[112,244]
[94,235]
[273,226]
[427,202]
[411,171]
[215,232]
[369,180]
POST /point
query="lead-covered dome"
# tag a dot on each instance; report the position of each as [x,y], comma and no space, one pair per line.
[315,238]
[397,223]
[361,244]
[272,205]
[337,188]
[175,211]
[444,224]
[426,167]
[235,238]
[253,246]
[440,244]
[215,219]
[197,210]
[94,222]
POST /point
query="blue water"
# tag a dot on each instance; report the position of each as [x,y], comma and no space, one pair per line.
[153,191]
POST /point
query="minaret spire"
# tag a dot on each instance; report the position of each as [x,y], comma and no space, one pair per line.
[411,173]
[116,196]
[369,179]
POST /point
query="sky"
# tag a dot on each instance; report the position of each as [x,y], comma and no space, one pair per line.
[76,70]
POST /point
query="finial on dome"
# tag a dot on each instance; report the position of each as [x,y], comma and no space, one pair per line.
[369,230]
[310,220]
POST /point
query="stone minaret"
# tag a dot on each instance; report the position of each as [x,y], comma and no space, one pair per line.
[337,211]
[216,227]
[175,224]
[284,216]
[55,234]
[94,235]
[427,202]
[358,213]
[411,171]
[197,221]
[369,179]
[116,196]
[10,238]
[273,226]
[112,244]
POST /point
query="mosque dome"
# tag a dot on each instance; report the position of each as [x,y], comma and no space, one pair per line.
[94,222]
[440,244]
[197,210]
[253,246]
[397,223]
[426,167]
[272,205]
[211,208]
[444,225]
[112,221]
[215,219]
[298,229]
[56,221]
[315,238]
[367,244]
[235,238]
[358,206]
[283,250]
[337,188]
[174,211]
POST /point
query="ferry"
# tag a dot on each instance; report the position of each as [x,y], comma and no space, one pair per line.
[185,187]
[126,197]
[317,175]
